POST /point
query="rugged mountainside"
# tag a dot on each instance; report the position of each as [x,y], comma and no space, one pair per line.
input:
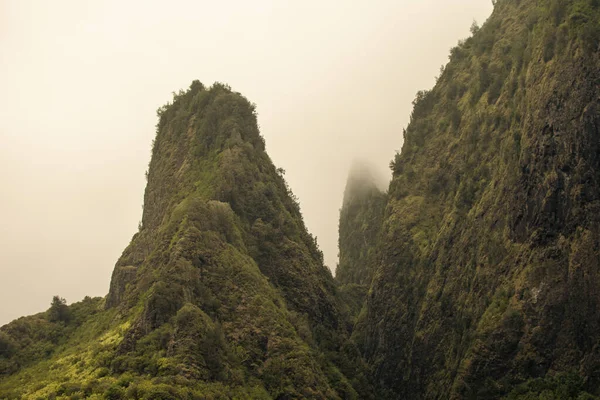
[488,263]
[360,221]
[361,217]
[476,276]
[222,293]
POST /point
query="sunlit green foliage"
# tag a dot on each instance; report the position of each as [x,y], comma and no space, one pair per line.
[221,294]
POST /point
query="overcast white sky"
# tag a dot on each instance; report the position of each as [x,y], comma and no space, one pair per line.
[80,82]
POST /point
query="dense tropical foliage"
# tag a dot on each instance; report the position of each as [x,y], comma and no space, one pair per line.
[475,275]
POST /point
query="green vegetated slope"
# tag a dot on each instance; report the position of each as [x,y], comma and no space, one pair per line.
[475,276]
[487,283]
[361,217]
[221,294]
[360,221]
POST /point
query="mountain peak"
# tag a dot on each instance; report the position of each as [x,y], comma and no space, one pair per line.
[362,178]
[222,290]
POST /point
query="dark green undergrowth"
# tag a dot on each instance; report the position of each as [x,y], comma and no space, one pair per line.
[474,276]
[221,294]
[487,258]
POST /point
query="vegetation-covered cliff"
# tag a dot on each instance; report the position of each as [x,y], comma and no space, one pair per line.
[488,274]
[361,217]
[360,221]
[475,276]
[222,293]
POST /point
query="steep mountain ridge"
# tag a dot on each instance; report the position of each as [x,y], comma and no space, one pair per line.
[208,147]
[360,221]
[222,293]
[488,257]
[475,276]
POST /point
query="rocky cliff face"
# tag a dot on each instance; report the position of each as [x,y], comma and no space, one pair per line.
[209,161]
[488,268]
[223,242]
[360,222]
[475,276]
[222,290]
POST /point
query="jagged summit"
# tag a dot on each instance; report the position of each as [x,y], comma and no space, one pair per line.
[222,293]
[362,178]
[360,221]
[208,157]
[474,276]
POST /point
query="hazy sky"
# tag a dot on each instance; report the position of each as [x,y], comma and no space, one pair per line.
[80,82]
